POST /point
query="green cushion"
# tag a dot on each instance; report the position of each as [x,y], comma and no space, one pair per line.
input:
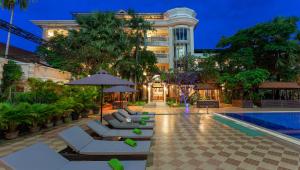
[115,164]
[143,122]
[145,118]
[130,142]
[145,113]
[137,131]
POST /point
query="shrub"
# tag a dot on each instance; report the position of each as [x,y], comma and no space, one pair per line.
[37,114]
[137,103]
[12,116]
[12,73]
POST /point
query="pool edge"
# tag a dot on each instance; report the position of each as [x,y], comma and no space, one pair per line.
[264,130]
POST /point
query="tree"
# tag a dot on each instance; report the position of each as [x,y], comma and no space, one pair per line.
[99,42]
[12,73]
[246,81]
[138,28]
[185,81]
[272,46]
[10,5]
[266,51]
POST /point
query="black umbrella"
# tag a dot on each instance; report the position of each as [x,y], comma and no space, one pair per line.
[100,79]
[120,89]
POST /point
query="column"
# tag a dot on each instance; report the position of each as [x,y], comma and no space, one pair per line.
[192,46]
[149,92]
[171,48]
[165,93]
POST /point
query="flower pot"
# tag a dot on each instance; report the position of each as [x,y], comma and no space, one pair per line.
[84,114]
[96,110]
[49,125]
[75,116]
[59,122]
[67,119]
[11,135]
[34,129]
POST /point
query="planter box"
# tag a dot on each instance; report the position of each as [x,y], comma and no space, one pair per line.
[280,103]
[208,103]
[11,135]
[242,103]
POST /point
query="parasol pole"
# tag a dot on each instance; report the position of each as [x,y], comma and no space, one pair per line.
[101,103]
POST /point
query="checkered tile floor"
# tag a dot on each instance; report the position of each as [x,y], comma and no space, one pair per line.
[198,142]
[190,142]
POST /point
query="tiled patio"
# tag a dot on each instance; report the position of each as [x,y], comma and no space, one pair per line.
[193,141]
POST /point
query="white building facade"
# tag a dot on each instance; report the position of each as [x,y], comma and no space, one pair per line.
[172,39]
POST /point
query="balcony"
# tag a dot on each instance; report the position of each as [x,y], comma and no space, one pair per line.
[162,58]
[161,55]
[157,41]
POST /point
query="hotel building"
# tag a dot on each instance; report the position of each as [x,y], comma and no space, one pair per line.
[171,40]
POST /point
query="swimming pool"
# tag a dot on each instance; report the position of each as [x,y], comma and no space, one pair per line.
[283,122]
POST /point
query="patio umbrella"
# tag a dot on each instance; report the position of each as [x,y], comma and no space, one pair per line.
[102,78]
[120,89]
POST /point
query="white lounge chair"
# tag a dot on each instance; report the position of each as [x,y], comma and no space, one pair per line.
[117,124]
[88,148]
[131,112]
[104,131]
[40,157]
[135,118]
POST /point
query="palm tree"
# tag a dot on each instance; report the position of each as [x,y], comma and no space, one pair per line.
[10,5]
[138,32]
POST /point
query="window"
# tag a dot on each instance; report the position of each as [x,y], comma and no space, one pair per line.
[181,33]
[180,51]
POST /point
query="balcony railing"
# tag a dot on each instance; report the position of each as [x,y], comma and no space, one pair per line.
[154,39]
[161,55]
[157,41]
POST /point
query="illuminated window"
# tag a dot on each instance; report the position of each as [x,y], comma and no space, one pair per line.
[53,32]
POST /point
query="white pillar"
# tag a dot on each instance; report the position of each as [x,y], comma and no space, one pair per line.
[171,49]
[149,92]
[165,93]
[192,40]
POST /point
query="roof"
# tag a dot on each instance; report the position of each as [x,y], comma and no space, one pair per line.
[206,86]
[279,85]
[15,50]
[21,55]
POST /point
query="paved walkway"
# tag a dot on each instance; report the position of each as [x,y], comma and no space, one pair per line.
[192,141]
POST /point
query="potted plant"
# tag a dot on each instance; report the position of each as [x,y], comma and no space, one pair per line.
[95,108]
[63,110]
[36,116]
[48,116]
[11,118]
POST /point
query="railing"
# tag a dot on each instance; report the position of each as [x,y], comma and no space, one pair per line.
[154,39]
[161,55]
[157,41]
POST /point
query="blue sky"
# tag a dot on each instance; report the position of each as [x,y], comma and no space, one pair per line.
[217,18]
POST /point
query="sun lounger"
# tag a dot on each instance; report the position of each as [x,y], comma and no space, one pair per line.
[104,131]
[117,124]
[131,112]
[135,118]
[40,157]
[88,148]
[122,118]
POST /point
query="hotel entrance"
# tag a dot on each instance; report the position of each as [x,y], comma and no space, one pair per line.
[157,90]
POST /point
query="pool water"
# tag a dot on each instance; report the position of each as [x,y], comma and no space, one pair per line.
[284,122]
